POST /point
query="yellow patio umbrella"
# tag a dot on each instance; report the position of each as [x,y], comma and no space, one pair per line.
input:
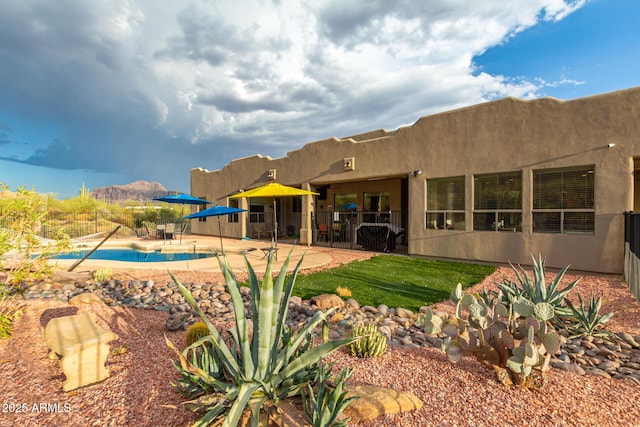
[274,190]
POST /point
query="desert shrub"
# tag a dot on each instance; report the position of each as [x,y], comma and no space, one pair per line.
[343,292]
[102,274]
[10,309]
[22,252]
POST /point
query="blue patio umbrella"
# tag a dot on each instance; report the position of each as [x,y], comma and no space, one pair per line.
[183,199]
[349,206]
[218,211]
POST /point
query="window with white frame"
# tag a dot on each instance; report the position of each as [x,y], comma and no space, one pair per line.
[563,200]
[256,213]
[445,203]
[497,202]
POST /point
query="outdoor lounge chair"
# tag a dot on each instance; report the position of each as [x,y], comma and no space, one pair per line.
[259,229]
[170,231]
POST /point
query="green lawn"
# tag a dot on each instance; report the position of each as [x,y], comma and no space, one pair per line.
[397,281]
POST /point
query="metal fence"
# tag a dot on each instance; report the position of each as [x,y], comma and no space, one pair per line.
[632,252]
[79,224]
[370,231]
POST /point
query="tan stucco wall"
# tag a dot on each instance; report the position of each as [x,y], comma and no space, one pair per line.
[500,136]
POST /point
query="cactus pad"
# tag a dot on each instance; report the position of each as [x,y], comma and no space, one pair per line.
[544,311]
[551,342]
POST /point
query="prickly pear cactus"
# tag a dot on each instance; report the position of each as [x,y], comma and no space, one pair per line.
[515,341]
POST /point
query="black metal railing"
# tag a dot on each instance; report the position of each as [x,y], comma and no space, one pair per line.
[632,252]
[371,231]
[79,224]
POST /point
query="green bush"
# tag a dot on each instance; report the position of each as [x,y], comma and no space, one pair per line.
[22,252]
[10,310]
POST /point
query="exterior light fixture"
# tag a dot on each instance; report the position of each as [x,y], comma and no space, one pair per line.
[349,164]
[416,172]
[611,145]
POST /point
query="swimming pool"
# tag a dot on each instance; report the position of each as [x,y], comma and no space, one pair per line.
[133,255]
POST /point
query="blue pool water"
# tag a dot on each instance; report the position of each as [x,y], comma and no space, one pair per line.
[132,255]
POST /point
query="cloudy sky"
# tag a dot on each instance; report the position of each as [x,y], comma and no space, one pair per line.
[109,92]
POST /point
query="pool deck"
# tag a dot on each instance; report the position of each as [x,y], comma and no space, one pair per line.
[235,250]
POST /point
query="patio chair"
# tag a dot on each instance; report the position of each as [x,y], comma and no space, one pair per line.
[258,230]
[170,231]
[160,231]
[323,232]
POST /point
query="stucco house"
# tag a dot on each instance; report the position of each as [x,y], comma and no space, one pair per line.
[493,182]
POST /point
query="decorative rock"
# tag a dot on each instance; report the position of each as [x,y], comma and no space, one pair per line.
[404,313]
[629,339]
[85,298]
[385,330]
[178,321]
[383,310]
[569,367]
[369,309]
[596,372]
[327,301]
[374,402]
[70,277]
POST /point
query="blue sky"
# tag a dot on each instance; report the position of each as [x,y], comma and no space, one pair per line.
[106,93]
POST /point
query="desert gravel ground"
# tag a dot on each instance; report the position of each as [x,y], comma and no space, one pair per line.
[465,394]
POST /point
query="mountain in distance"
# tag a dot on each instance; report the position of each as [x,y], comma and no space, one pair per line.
[138,190]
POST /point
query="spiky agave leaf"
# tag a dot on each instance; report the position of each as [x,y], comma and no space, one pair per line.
[227,358]
[221,386]
[241,331]
[588,319]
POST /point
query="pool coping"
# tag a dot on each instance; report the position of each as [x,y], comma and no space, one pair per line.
[235,253]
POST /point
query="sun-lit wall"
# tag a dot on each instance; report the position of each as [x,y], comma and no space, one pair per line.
[508,135]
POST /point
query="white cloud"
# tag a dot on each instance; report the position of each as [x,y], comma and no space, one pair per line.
[202,78]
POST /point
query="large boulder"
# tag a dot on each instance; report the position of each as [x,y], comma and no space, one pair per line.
[375,402]
[326,301]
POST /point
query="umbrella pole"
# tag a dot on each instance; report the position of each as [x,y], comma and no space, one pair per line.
[182,222]
[275,223]
[220,233]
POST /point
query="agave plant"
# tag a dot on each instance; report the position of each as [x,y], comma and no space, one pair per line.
[322,409]
[261,368]
[589,321]
[535,288]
